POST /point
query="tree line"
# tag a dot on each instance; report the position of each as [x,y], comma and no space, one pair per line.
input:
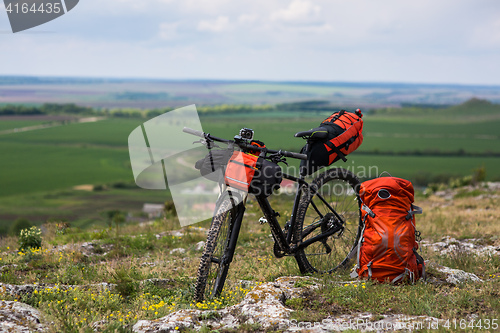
[203,110]
[47,108]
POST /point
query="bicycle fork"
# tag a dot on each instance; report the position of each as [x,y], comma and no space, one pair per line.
[228,255]
[227,258]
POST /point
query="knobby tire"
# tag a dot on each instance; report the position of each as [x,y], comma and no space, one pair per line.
[211,272]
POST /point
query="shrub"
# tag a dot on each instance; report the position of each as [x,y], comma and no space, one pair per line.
[30,238]
[18,225]
[98,188]
[478,175]
[170,208]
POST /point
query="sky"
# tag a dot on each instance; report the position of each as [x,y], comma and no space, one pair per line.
[424,41]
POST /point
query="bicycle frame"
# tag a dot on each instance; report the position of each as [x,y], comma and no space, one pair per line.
[293,239]
[285,241]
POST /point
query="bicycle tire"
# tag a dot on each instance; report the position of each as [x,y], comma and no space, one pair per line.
[339,187]
[211,272]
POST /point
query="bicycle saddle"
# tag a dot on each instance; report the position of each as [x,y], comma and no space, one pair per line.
[315,133]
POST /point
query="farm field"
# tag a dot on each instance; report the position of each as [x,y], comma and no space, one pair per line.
[82,208]
[421,146]
[382,134]
[12,124]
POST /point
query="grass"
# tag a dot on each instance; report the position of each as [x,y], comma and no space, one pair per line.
[72,296]
[132,258]
[443,302]
[462,217]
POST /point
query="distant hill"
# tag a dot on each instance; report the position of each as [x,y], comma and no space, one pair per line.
[159,93]
[474,106]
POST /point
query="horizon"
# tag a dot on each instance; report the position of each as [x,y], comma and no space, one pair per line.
[243,80]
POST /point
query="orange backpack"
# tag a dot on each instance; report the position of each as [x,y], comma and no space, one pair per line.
[387,248]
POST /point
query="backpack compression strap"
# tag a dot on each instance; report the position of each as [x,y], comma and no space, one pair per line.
[413,211]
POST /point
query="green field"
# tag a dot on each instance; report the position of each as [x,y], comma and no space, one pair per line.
[108,133]
[12,124]
[420,146]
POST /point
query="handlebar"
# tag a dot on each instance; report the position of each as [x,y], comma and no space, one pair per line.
[193,132]
[244,145]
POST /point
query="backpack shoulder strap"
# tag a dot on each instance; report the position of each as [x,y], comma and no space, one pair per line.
[368,210]
[420,260]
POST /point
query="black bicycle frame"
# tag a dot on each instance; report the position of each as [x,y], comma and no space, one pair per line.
[280,238]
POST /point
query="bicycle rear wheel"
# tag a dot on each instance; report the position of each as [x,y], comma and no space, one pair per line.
[340,208]
[214,265]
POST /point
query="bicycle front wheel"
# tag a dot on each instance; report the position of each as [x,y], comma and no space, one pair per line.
[213,268]
[331,201]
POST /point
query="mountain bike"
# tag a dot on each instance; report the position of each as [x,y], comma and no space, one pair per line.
[323,230]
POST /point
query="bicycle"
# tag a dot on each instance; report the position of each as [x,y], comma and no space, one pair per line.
[323,230]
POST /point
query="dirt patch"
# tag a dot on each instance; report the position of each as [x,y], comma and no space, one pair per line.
[85,187]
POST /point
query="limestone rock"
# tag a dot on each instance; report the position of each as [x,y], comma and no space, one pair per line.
[178,250]
[450,245]
[450,275]
[19,317]
[200,246]
[264,306]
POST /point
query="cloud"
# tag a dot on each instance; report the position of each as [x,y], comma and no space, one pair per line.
[168,31]
[389,40]
[317,29]
[220,24]
[486,35]
[297,11]
[247,18]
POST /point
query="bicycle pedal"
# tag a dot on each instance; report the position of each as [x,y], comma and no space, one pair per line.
[262,220]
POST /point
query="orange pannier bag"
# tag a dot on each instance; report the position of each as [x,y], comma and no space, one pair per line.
[351,127]
[387,248]
[240,170]
[252,174]
[345,135]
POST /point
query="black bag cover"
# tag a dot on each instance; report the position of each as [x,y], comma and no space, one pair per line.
[267,178]
[216,159]
[318,156]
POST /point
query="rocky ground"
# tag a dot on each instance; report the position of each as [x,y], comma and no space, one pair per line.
[263,307]
[468,216]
